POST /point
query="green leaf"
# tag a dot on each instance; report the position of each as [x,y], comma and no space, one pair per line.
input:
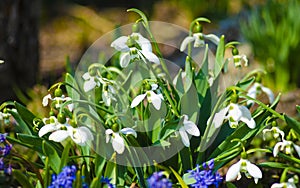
[111,171]
[27,116]
[95,182]
[188,179]
[33,142]
[179,83]
[293,123]
[189,104]
[230,185]
[65,155]
[21,124]
[180,180]
[219,57]
[22,178]
[54,159]
[72,91]
[298,108]
[273,165]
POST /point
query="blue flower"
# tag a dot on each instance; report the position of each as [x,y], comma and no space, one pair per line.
[3,137]
[157,180]
[64,179]
[204,178]
[106,181]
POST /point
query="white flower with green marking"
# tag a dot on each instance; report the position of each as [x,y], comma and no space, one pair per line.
[199,40]
[151,96]
[132,47]
[256,89]
[117,140]
[188,127]
[246,167]
[234,113]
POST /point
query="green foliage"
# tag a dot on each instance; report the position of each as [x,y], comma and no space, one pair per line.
[273,31]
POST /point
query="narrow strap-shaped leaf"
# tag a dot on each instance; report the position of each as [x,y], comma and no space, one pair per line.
[22,178]
[180,180]
[54,159]
[293,123]
[219,57]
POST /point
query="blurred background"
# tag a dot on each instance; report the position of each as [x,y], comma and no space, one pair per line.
[38,37]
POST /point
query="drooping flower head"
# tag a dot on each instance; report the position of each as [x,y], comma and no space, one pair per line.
[151,96]
[256,89]
[246,167]
[188,127]
[234,113]
[198,38]
[116,139]
[237,58]
[158,180]
[134,47]
[61,130]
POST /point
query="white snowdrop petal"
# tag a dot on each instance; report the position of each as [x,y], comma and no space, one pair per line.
[124,59]
[213,38]
[269,93]
[86,76]
[46,129]
[233,171]
[59,135]
[234,112]
[144,43]
[151,56]
[137,100]
[184,137]
[89,85]
[155,100]
[118,143]
[128,131]
[46,99]
[219,117]
[191,128]
[254,171]
[120,44]
[185,42]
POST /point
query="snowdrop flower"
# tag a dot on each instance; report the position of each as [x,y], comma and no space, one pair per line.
[190,128]
[50,124]
[276,132]
[256,89]
[91,81]
[152,97]
[198,39]
[237,58]
[290,184]
[80,135]
[59,101]
[116,140]
[234,113]
[1,61]
[245,166]
[108,94]
[134,46]
[286,146]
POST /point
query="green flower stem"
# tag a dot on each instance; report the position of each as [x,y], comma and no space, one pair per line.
[89,103]
[147,27]
[258,150]
[226,154]
[265,106]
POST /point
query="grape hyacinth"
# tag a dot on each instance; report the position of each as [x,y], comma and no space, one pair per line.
[4,151]
[157,180]
[206,177]
[64,179]
[106,181]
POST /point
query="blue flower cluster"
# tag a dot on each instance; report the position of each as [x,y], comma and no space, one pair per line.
[157,180]
[205,178]
[4,151]
[64,179]
[106,181]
